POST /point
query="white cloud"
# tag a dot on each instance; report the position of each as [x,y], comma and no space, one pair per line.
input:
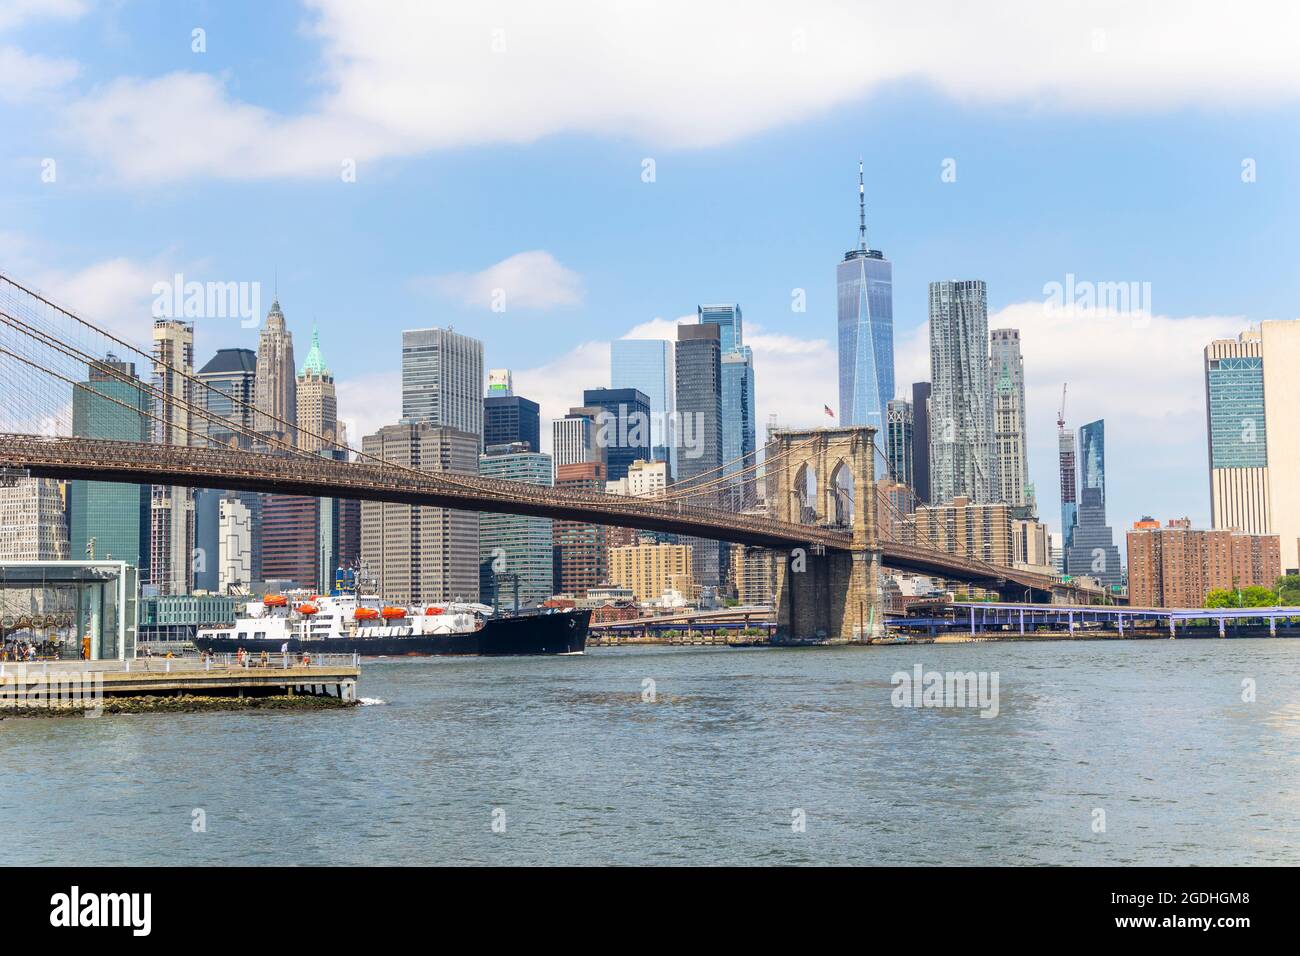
[14,13]
[526,280]
[1143,374]
[415,77]
[23,75]
[369,402]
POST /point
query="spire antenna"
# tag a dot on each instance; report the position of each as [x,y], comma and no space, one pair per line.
[862,208]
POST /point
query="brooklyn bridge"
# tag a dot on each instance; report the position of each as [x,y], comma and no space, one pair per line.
[822,513]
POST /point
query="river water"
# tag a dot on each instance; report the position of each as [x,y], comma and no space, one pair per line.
[1100,753]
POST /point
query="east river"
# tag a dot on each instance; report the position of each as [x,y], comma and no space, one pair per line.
[1100,753]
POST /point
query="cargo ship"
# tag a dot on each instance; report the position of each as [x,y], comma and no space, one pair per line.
[351,624]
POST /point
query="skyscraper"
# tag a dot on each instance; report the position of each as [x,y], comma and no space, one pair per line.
[899,436]
[317,402]
[573,438]
[1252,396]
[421,555]
[1092,549]
[115,515]
[699,447]
[622,427]
[1007,373]
[172,537]
[962,458]
[647,366]
[509,418]
[516,552]
[228,392]
[230,378]
[277,403]
[33,526]
[738,429]
[580,550]
[442,379]
[1067,454]
[865,283]
[921,441]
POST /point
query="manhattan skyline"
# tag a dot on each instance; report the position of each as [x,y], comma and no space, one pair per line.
[1050,182]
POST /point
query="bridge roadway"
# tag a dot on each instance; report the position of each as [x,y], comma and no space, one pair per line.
[96,459]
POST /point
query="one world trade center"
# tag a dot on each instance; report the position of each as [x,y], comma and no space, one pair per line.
[865,285]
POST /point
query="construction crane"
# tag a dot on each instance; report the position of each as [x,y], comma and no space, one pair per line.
[1060,414]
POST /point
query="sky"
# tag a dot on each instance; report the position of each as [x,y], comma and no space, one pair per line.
[383,166]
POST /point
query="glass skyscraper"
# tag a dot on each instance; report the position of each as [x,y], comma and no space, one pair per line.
[699,451]
[515,551]
[116,515]
[738,427]
[442,379]
[1092,551]
[865,292]
[647,366]
[622,427]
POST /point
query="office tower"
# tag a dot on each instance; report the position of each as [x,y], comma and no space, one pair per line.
[206,561]
[234,546]
[649,568]
[509,418]
[622,426]
[699,443]
[962,461]
[738,411]
[317,402]
[1007,373]
[1177,566]
[738,434]
[112,403]
[865,282]
[573,438]
[227,392]
[442,379]
[290,530]
[1252,399]
[33,526]
[1092,551]
[894,502]
[921,441]
[1031,546]
[899,436]
[171,543]
[277,400]
[422,555]
[647,366]
[516,552]
[580,550]
[729,321]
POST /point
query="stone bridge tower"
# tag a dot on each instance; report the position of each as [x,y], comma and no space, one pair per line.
[826,476]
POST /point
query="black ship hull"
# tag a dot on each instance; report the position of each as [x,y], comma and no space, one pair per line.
[564,633]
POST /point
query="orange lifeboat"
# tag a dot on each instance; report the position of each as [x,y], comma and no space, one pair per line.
[433,610]
[365,614]
[307,608]
[393,613]
[275,600]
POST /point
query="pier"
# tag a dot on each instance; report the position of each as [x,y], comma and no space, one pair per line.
[39,683]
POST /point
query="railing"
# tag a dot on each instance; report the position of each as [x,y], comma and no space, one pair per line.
[213,663]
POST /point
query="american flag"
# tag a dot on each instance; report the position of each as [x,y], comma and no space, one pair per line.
[828,411]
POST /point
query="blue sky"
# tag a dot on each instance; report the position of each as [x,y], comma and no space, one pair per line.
[1094,141]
